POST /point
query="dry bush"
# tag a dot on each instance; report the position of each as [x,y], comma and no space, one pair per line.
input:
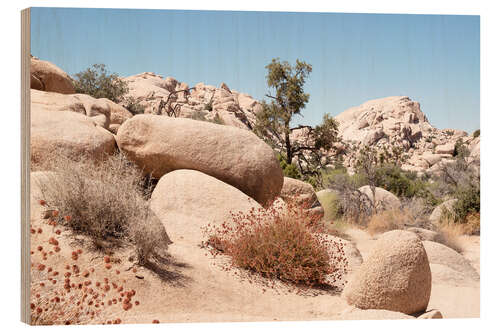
[354,205]
[388,220]
[282,245]
[449,234]
[472,225]
[417,210]
[103,200]
[449,231]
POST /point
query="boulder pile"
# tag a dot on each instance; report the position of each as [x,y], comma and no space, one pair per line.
[398,122]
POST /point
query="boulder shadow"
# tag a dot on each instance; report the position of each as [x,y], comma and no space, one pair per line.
[169,270]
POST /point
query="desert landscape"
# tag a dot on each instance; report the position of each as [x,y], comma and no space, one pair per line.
[153,201]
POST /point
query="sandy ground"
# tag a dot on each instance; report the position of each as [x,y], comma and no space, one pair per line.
[195,287]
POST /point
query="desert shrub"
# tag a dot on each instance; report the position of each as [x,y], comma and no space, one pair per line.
[461,180]
[200,115]
[404,184]
[476,133]
[280,245]
[355,206]
[468,202]
[387,220]
[97,82]
[417,210]
[449,132]
[460,149]
[395,180]
[331,205]
[289,169]
[105,201]
[133,105]
[449,234]
[472,225]
[414,212]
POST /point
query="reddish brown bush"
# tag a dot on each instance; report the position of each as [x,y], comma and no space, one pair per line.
[286,244]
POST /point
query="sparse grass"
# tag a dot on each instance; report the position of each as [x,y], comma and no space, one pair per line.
[448,234]
[471,225]
[105,201]
[280,246]
[387,220]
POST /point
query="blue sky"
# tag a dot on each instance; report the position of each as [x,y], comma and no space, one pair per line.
[433,59]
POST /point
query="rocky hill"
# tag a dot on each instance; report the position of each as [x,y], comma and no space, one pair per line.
[399,122]
[201,101]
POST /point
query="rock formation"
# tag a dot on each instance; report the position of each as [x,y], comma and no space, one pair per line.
[186,201]
[169,96]
[68,132]
[160,144]
[48,77]
[398,122]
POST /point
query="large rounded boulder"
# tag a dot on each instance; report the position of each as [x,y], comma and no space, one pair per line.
[48,77]
[160,144]
[186,201]
[301,193]
[384,200]
[70,133]
[395,276]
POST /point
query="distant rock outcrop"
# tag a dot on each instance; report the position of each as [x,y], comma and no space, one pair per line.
[169,96]
[398,122]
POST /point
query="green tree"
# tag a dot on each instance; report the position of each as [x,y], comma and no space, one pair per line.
[97,82]
[287,99]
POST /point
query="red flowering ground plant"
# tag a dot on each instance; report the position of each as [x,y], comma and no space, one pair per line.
[284,243]
[71,293]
